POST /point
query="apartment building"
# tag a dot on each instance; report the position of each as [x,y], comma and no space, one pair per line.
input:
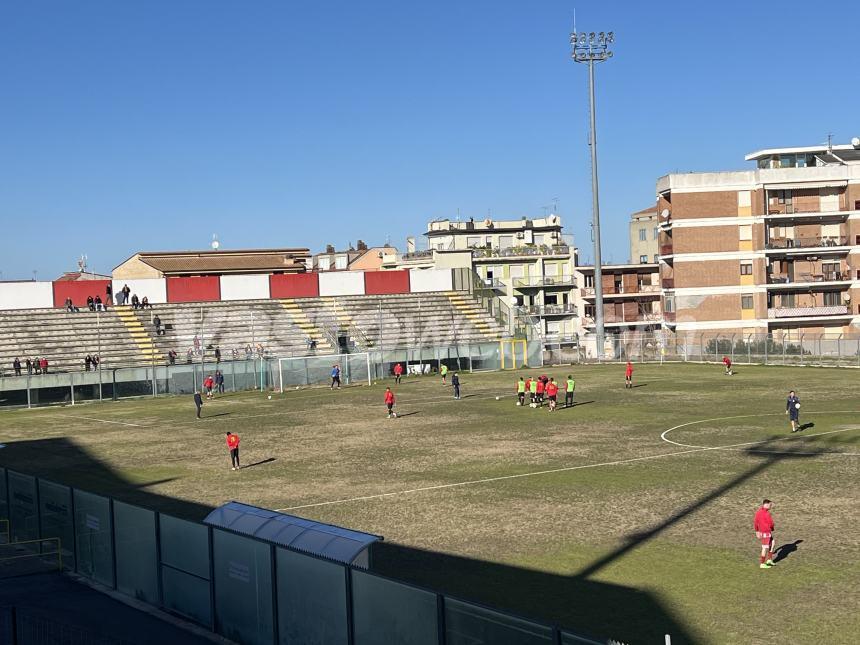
[528,262]
[774,249]
[644,233]
[631,297]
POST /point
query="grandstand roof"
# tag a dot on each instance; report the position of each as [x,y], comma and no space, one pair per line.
[173,263]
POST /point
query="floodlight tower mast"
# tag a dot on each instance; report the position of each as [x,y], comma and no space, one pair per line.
[593,48]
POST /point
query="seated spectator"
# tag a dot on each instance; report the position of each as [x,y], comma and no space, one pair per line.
[98,303]
[135,302]
[91,303]
[70,307]
[171,357]
[145,303]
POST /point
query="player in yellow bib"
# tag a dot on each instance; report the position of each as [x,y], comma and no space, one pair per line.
[533,392]
[570,386]
[443,370]
[521,391]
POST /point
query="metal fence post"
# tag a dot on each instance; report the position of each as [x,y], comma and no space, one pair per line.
[801,350]
[749,350]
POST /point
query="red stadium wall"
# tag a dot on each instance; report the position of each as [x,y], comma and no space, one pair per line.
[386,282]
[204,288]
[78,290]
[294,285]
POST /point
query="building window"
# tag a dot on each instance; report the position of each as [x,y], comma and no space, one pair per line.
[323,263]
[656,258]
[656,232]
[589,281]
[745,232]
[643,234]
[747,301]
[669,304]
[643,259]
[506,241]
[746,268]
[539,240]
[832,298]
[340,262]
[472,242]
[589,311]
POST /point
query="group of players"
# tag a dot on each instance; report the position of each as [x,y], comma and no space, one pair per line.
[540,388]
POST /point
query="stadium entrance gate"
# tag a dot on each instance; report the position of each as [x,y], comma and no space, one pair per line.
[513,353]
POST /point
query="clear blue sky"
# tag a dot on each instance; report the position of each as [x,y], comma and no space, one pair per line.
[130,126]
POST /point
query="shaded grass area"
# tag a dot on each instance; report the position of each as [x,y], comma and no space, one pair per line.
[630,537]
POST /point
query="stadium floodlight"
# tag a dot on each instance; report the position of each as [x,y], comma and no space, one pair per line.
[594,48]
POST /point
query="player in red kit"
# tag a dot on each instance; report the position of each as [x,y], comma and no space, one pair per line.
[539,391]
[233,447]
[763,525]
[389,402]
[628,375]
[398,372]
[728,363]
[552,394]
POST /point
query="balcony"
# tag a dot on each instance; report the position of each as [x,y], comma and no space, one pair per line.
[782,243]
[666,249]
[417,256]
[546,281]
[493,283]
[640,290]
[809,278]
[801,312]
[549,310]
[638,319]
[521,251]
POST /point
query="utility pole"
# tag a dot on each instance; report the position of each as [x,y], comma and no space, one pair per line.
[593,48]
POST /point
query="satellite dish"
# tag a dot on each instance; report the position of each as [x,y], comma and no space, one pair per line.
[215,245]
[488,223]
[665,213]
[855,141]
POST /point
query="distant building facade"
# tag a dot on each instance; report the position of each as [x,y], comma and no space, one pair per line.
[644,233]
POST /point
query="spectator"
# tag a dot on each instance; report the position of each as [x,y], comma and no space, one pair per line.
[91,303]
[29,364]
[157,322]
[125,292]
[260,350]
[196,343]
[219,382]
[37,365]
[109,293]
[16,366]
[217,354]
[70,307]
[98,303]
[235,353]
[88,363]
[171,357]
[189,355]
[44,365]
[248,352]
[135,302]
[208,384]
[96,361]
[145,303]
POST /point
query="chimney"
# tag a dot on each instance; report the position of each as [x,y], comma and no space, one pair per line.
[410,245]
[362,246]
[329,248]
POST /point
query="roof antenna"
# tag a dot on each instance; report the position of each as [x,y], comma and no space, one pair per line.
[829,143]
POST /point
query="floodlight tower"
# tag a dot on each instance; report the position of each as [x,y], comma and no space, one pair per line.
[593,48]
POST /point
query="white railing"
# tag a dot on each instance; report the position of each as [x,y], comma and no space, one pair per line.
[797,312]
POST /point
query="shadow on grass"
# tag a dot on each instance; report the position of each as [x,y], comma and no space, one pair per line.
[407,414]
[575,405]
[786,550]
[213,416]
[638,385]
[258,463]
[806,426]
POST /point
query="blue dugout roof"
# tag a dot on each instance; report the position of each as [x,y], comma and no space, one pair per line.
[333,542]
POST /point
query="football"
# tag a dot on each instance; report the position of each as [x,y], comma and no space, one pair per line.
[498,398]
[270,397]
[797,405]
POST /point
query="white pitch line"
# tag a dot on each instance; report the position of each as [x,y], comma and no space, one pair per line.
[619,462]
[121,423]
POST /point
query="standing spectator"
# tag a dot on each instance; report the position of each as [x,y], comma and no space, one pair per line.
[171,357]
[455,383]
[96,361]
[233,447]
[135,302]
[98,303]
[398,373]
[219,382]
[189,355]
[198,402]
[235,353]
[248,352]
[37,365]
[217,354]
[145,303]
[157,322]
[16,366]
[335,376]
[44,365]
[196,343]
[91,303]
[88,362]
[109,293]
[29,364]
[208,384]
[261,351]
[125,292]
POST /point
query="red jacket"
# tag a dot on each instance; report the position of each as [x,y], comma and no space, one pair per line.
[540,387]
[763,521]
[629,370]
[551,389]
[727,360]
[398,369]
[389,397]
[208,382]
[232,441]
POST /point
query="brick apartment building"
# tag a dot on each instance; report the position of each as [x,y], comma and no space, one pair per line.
[775,249]
[631,297]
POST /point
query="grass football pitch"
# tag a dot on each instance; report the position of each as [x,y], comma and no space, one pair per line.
[627,516]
